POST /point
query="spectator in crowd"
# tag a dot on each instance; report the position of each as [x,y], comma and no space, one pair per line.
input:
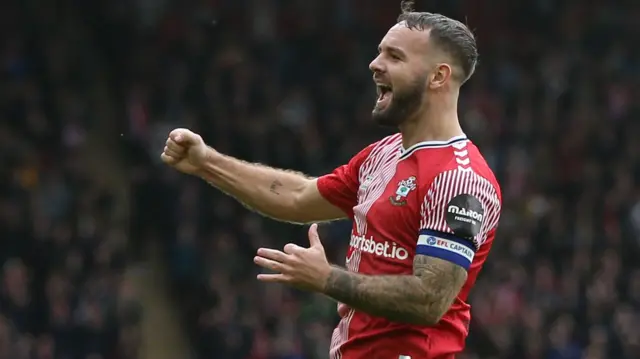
[62,256]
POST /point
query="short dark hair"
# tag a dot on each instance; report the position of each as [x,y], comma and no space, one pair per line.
[451,35]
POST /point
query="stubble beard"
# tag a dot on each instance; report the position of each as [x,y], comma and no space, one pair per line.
[404,103]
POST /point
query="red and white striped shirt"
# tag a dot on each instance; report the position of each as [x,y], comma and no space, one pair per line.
[437,198]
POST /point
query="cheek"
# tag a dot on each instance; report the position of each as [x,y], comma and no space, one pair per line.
[403,76]
[402,84]
[398,77]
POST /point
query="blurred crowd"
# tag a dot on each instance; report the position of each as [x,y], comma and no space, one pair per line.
[62,254]
[285,82]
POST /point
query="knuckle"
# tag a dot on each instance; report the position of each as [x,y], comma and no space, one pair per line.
[278,267]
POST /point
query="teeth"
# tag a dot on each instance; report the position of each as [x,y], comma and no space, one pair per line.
[382,95]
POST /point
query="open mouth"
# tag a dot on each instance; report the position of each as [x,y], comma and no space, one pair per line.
[384,93]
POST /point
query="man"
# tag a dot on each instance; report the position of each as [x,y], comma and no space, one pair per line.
[424,203]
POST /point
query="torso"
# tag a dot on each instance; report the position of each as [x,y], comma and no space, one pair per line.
[386,223]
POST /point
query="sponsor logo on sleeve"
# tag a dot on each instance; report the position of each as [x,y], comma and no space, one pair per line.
[465,215]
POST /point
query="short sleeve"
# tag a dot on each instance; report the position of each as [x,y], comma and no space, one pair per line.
[340,187]
[459,210]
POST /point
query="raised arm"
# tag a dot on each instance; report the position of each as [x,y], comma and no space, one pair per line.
[280,194]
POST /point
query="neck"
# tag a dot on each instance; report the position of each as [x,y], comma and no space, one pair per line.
[437,120]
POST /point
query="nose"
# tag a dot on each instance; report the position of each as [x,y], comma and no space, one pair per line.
[377,65]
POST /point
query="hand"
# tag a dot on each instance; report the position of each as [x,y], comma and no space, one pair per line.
[184,151]
[303,268]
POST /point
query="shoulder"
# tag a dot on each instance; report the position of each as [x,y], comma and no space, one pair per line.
[455,163]
[365,161]
[464,188]
[460,193]
[392,143]
[379,151]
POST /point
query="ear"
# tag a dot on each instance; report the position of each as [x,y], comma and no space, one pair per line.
[440,76]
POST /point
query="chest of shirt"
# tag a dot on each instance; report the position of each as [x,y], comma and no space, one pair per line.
[389,203]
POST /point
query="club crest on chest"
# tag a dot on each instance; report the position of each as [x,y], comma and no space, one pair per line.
[404,188]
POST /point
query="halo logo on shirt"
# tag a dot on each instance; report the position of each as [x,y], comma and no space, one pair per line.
[404,188]
[465,215]
[384,249]
[366,183]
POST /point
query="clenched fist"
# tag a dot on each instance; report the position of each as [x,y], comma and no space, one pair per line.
[184,151]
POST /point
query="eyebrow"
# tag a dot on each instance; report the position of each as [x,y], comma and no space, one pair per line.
[391,49]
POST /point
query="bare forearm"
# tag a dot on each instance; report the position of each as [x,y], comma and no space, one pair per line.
[272,192]
[397,298]
[420,299]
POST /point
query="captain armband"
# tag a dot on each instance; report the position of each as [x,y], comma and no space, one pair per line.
[447,247]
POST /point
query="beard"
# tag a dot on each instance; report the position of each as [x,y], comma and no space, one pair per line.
[404,103]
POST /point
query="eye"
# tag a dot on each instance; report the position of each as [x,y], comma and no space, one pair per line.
[395,57]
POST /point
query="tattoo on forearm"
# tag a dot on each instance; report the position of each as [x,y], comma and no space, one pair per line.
[421,298]
[275,187]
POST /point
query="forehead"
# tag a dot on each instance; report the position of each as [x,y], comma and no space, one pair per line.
[405,39]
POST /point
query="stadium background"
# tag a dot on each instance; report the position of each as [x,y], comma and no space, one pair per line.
[106,254]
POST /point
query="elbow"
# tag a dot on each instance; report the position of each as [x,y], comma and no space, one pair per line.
[306,204]
[433,314]
[432,319]
[296,205]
